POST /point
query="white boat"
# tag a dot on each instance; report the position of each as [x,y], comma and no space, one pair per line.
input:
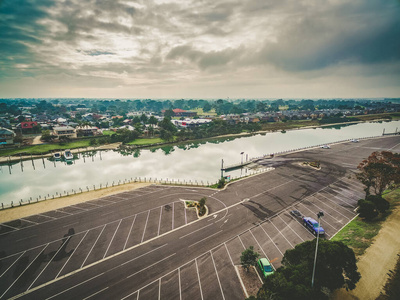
[68,154]
[57,156]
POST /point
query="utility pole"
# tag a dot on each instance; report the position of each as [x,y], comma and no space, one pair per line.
[319,215]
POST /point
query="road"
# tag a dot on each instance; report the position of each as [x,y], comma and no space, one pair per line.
[144,244]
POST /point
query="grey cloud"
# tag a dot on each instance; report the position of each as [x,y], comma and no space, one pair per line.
[363,33]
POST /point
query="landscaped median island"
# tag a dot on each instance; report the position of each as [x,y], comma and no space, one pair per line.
[199,206]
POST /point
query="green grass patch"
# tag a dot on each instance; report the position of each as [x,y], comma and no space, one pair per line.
[146,141]
[200,112]
[40,149]
[108,132]
[359,234]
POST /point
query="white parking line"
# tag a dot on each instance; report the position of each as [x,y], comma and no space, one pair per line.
[215,268]
[281,233]
[244,247]
[26,238]
[42,215]
[279,216]
[180,288]
[112,238]
[258,244]
[198,277]
[335,197]
[312,212]
[145,225]
[195,230]
[12,264]
[229,254]
[271,239]
[2,224]
[173,213]
[159,289]
[94,294]
[29,221]
[333,203]
[184,208]
[150,265]
[343,194]
[71,255]
[205,238]
[159,222]
[93,245]
[64,212]
[328,206]
[129,233]
[74,206]
[23,271]
[62,245]
[68,225]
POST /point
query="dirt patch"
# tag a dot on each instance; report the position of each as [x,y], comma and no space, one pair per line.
[375,263]
[52,204]
[251,280]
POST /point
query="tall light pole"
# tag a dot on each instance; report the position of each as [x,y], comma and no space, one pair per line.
[242,156]
[319,215]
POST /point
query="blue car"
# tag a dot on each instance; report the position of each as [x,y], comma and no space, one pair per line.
[312,225]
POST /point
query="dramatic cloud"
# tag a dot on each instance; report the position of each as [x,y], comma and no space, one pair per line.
[187,48]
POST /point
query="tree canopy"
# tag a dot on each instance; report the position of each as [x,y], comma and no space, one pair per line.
[249,258]
[379,171]
[336,268]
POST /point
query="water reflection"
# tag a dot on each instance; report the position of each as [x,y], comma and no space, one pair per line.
[200,160]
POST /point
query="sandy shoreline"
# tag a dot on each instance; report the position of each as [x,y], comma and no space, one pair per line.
[57,203]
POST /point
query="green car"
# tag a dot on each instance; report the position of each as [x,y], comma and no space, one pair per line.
[265,266]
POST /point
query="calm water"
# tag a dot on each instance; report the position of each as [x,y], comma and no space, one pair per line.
[196,161]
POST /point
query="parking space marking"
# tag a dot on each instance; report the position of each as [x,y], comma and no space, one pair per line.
[173,213]
[331,207]
[29,221]
[184,208]
[129,233]
[64,212]
[179,280]
[145,225]
[62,245]
[95,294]
[339,192]
[12,264]
[312,202]
[46,216]
[112,238]
[229,254]
[77,207]
[159,289]
[129,276]
[336,198]
[205,238]
[25,238]
[159,222]
[219,282]
[281,233]
[195,231]
[71,255]
[198,277]
[325,212]
[68,225]
[2,224]
[93,245]
[24,271]
[270,239]
[287,225]
[334,203]
[244,247]
[258,244]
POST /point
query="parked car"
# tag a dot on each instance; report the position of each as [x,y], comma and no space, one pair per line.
[313,226]
[325,147]
[296,213]
[354,140]
[265,267]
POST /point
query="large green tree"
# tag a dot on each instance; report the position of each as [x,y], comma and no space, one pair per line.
[249,258]
[336,268]
[379,171]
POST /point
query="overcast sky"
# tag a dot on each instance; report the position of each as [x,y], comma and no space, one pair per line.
[200,48]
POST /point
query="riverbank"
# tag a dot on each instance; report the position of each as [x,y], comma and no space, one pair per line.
[21,156]
[57,203]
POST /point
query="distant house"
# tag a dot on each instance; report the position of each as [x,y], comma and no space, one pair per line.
[6,136]
[183,113]
[61,131]
[27,125]
[86,130]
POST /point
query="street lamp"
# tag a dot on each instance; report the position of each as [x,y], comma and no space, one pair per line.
[242,156]
[319,215]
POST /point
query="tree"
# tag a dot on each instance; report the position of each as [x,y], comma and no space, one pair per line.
[207,107]
[46,136]
[249,258]
[380,203]
[367,209]
[166,135]
[336,268]
[379,171]
[221,183]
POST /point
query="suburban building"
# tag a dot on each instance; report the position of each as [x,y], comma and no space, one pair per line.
[86,130]
[61,131]
[6,136]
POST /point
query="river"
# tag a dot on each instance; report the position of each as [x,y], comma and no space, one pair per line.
[199,161]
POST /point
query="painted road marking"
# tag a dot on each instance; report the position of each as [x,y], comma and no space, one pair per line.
[219,282]
[145,225]
[112,238]
[198,277]
[281,234]
[93,245]
[196,230]
[205,238]
[159,222]
[12,264]
[129,233]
